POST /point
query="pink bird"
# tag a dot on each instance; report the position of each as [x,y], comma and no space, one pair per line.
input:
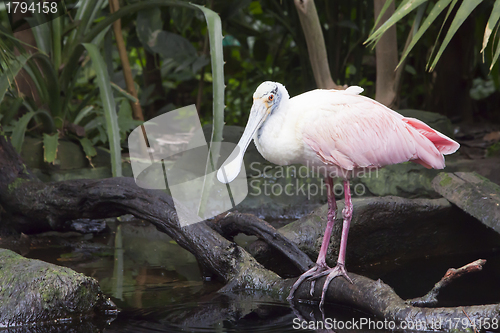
[339,133]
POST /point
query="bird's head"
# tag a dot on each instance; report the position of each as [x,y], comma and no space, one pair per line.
[266,99]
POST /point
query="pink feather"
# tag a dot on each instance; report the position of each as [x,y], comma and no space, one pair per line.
[363,133]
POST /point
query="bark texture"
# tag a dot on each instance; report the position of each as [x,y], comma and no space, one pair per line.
[386,54]
[311,26]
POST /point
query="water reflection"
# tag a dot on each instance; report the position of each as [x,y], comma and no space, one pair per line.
[159,287]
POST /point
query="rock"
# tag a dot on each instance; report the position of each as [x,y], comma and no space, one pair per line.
[34,292]
[473,193]
[69,155]
[393,228]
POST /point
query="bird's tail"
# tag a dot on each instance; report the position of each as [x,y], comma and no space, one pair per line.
[443,144]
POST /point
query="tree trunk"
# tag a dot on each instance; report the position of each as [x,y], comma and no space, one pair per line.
[311,26]
[386,55]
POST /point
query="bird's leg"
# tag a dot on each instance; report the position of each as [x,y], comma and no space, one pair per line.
[340,270]
[320,265]
[332,211]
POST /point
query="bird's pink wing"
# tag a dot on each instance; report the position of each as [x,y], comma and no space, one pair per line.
[356,132]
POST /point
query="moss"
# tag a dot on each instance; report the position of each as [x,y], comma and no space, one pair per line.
[33,291]
[25,169]
[446,180]
[15,184]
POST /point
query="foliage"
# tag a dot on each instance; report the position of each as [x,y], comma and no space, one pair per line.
[72,100]
[263,40]
[463,12]
[493,150]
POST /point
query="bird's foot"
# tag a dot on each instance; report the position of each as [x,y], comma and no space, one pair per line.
[316,270]
[338,270]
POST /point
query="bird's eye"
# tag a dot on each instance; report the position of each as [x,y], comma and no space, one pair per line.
[271,97]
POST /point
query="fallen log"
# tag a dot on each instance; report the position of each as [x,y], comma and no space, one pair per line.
[473,193]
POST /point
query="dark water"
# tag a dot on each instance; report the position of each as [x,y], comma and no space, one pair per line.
[159,287]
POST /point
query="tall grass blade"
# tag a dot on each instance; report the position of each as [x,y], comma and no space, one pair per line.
[51,81]
[19,131]
[382,12]
[492,22]
[495,56]
[436,10]
[462,14]
[7,78]
[217,59]
[21,125]
[108,103]
[56,42]
[404,9]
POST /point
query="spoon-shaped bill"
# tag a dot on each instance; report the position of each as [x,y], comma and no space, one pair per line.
[232,166]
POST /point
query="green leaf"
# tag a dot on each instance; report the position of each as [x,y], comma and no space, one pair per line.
[42,34]
[149,24]
[21,125]
[382,12]
[50,143]
[462,14]
[125,119]
[171,45]
[19,130]
[83,113]
[108,102]
[124,93]
[56,41]
[95,123]
[88,148]
[51,80]
[404,9]
[8,77]
[11,111]
[495,57]
[74,53]
[182,18]
[450,10]
[492,22]
[436,10]
[217,59]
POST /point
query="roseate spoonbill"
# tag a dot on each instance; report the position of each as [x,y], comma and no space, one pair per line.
[340,132]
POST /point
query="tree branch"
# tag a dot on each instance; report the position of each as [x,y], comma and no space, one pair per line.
[430,298]
[233,223]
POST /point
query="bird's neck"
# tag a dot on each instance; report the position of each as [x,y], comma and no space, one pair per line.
[275,139]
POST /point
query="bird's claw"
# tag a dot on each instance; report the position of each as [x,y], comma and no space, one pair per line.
[317,268]
[338,270]
[315,273]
